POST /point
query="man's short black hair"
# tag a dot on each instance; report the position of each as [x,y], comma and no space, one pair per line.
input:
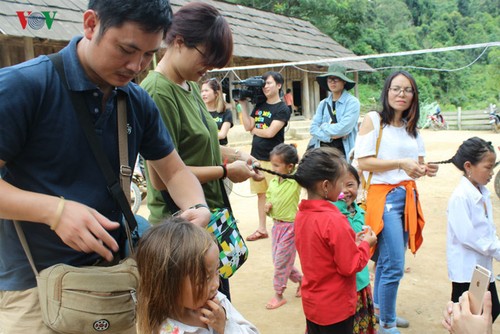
[151,15]
[276,76]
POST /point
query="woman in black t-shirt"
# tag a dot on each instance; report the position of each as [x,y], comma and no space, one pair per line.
[266,123]
[211,93]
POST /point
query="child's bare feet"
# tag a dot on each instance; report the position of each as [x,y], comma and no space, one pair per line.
[298,293]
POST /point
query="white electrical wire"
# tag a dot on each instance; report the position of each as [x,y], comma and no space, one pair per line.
[354,58]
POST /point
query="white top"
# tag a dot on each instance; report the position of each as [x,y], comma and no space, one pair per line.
[471,236]
[235,323]
[396,143]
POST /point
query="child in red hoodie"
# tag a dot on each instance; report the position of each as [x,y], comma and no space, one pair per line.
[330,252]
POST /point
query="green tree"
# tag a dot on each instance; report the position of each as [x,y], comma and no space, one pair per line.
[463,7]
[383,26]
[421,10]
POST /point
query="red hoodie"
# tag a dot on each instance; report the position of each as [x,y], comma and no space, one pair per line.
[330,260]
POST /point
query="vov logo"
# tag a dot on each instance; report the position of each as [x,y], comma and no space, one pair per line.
[36,20]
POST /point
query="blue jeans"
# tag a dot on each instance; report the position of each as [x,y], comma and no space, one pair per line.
[142,226]
[392,241]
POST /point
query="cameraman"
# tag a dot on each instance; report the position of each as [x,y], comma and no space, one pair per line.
[266,123]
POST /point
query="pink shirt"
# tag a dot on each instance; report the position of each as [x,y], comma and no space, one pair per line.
[330,260]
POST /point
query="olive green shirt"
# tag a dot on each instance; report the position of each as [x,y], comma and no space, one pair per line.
[193,132]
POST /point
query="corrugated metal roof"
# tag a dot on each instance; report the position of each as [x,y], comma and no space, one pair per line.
[257,34]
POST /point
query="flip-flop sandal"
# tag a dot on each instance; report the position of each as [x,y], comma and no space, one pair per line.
[257,235]
[274,303]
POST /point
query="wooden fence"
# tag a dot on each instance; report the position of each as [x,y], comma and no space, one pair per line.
[467,120]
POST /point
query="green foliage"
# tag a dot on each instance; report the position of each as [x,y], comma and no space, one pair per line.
[383,26]
[369,97]
[426,109]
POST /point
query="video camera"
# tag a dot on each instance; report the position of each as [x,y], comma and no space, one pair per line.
[251,88]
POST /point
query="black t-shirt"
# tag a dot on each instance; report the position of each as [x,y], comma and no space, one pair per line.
[263,115]
[220,118]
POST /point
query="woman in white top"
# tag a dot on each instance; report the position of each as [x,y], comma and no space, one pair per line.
[393,210]
[471,235]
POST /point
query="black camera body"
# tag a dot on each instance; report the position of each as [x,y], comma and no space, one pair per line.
[250,88]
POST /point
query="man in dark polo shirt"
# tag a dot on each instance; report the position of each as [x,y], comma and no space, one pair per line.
[51,181]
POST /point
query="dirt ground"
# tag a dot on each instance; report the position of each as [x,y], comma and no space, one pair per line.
[423,292]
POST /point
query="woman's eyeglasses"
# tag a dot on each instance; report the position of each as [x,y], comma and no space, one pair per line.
[201,53]
[396,90]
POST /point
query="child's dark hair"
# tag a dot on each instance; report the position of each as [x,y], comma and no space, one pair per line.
[472,150]
[318,164]
[354,172]
[287,151]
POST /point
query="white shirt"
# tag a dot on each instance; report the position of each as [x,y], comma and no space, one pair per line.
[235,323]
[471,236]
[395,143]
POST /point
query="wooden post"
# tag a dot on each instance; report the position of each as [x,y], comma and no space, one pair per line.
[356,79]
[5,52]
[234,112]
[29,52]
[459,118]
[315,91]
[306,108]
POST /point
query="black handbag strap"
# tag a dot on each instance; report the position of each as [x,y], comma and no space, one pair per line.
[227,204]
[330,111]
[114,187]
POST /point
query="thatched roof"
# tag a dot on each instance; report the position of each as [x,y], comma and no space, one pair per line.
[260,37]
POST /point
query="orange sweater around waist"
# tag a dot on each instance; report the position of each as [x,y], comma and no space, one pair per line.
[413,216]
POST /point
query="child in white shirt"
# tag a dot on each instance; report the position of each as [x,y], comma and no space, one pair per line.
[471,236]
[178,263]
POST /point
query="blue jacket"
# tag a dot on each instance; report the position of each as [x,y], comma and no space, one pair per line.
[347,108]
